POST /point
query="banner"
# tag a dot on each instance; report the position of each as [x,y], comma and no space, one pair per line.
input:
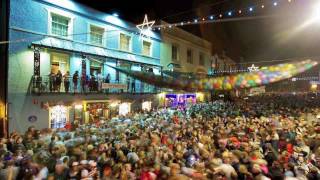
[258,90]
[113,86]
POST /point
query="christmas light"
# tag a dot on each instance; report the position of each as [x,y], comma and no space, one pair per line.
[253,68]
[145,26]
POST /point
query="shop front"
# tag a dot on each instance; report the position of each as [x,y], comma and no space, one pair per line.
[179,100]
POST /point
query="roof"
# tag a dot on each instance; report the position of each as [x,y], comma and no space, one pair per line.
[69,45]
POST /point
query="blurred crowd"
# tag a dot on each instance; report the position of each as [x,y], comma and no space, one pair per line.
[263,137]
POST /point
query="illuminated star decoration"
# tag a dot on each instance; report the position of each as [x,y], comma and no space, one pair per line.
[145,26]
[253,68]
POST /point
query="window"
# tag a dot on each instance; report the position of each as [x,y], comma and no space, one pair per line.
[201,60]
[59,25]
[189,56]
[59,61]
[58,116]
[125,42]
[174,53]
[146,49]
[96,35]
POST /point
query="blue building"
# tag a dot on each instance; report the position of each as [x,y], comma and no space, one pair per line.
[50,37]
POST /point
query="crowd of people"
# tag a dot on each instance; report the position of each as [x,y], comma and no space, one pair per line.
[263,137]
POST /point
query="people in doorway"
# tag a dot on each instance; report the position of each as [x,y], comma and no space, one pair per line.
[83,83]
[107,80]
[66,81]
[58,81]
[100,80]
[75,81]
[52,77]
[133,85]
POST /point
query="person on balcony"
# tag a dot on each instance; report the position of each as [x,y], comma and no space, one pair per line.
[107,80]
[52,77]
[66,81]
[100,80]
[75,81]
[133,85]
[58,81]
[83,83]
[92,83]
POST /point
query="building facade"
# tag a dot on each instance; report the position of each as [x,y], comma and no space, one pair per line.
[61,59]
[184,52]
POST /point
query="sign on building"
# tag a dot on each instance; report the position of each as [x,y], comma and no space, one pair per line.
[113,86]
[258,90]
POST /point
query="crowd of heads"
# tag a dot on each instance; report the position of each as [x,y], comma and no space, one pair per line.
[264,137]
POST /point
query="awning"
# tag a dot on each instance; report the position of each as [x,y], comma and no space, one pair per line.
[69,45]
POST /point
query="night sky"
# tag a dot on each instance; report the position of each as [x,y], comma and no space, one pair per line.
[270,38]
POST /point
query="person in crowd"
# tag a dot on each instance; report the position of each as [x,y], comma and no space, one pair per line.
[66,81]
[264,137]
[75,79]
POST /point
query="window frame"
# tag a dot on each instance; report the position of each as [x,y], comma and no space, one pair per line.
[177,47]
[203,59]
[151,46]
[103,43]
[191,60]
[68,16]
[130,42]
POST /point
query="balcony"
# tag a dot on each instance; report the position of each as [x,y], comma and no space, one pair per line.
[50,85]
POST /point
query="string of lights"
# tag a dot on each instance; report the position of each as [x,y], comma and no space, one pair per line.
[232,13]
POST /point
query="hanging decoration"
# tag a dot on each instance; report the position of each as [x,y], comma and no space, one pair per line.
[266,75]
[253,68]
[145,27]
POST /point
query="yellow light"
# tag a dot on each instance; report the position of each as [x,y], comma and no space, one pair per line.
[161,95]
[200,96]
[314,87]
[78,106]
[114,104]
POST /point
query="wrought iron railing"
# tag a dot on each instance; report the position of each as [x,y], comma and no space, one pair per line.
[51,84]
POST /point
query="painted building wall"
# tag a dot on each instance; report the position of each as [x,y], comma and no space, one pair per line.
[184,41]
[29,20]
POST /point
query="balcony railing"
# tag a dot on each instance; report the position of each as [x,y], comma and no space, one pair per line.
[47,84]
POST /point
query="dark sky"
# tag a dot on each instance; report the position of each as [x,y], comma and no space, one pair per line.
[270,38]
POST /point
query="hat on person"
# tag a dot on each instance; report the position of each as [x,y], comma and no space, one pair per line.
[92,163]
[83,162]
